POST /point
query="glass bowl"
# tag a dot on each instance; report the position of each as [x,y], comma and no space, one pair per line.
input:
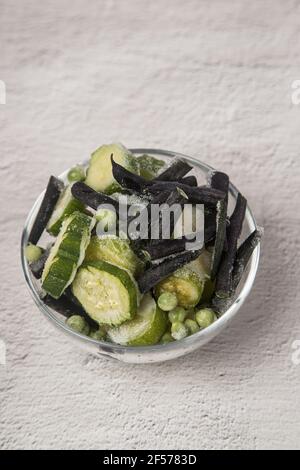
[157,353]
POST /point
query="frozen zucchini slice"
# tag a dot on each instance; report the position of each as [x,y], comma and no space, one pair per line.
[108,294]
[65,206]
[145,329]
[115,251]
[202,267]
[150,166]
[186,284]
[99,174]
[67,253]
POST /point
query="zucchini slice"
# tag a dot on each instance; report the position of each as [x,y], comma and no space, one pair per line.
[150,166]
[157,272]
[116,251]
[145,329]
[65,206]
[186,284]
[108,294]
[67,253]
[99,174]
[202,267]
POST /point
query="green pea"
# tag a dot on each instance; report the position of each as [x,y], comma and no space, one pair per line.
[205,317]
[76,174]
[192,326]
[33,252]
[167,338]
[177,314]
[97,334]
[167,301]
[79,324]
[178,330]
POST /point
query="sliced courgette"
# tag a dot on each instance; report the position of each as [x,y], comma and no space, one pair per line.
[65,206]
[186,284]
[108,294]
[150,166]
[99,174]
[67,253]
[145,329]
[116,251]
[202,267]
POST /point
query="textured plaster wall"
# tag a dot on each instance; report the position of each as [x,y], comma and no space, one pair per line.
[208,78]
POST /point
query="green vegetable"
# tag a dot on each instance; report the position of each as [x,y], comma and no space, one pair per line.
[205,317]
[67,253]
[192,326]
[65,206]
[179,330]
[188,282]
[202,267]
[98,334]
[33,252]
[177,314]
[149,166]
[108,294]
[185,284]
[145,329]
[99,174]
[167,301]
[79,324]
[115,251]
[76,174]
[167,338]
[51,196]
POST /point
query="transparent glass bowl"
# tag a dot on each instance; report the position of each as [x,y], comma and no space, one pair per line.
[157,353]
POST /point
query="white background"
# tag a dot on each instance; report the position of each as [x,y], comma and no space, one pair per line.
[207,78]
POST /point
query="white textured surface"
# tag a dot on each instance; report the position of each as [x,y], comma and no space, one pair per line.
[210,79]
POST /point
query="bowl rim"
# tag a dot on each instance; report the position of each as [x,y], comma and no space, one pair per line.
[217,325]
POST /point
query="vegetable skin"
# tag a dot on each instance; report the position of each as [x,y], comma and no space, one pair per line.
[52,193]
[156,273]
